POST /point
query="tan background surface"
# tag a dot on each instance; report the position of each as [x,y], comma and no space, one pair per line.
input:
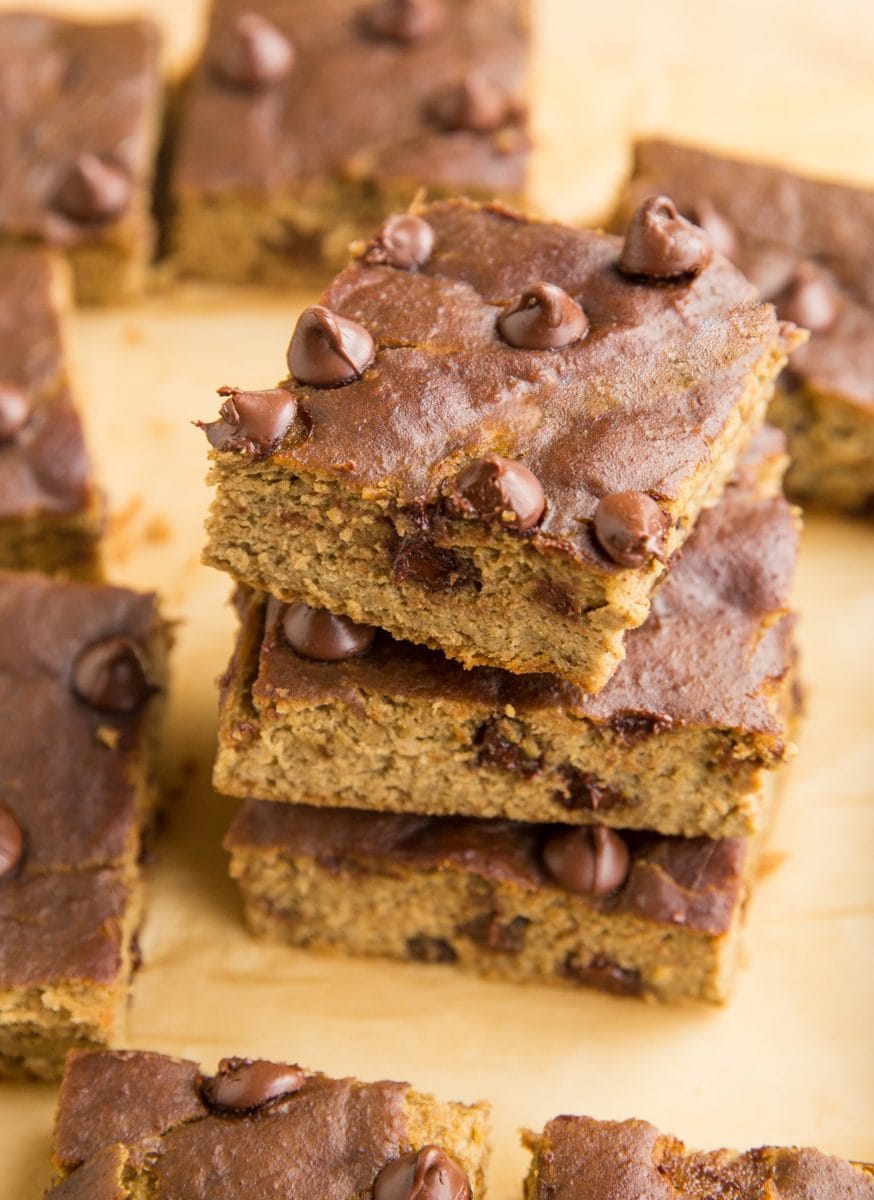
[791,1058]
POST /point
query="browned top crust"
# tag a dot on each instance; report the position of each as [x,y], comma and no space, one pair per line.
[579,1158]
[68,775]
[356,107]
[716,644]
[780,220]
[633,406]
[327,1141]
[44,468]
[87,89]
[694,883]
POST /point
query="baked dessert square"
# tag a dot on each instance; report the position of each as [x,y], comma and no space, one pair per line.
[131,1124]
[305,124]
[82,673]
[807,245]
[50,510]
[579,1158]
[635,914]
[81,104]
[496,453]
[318,710]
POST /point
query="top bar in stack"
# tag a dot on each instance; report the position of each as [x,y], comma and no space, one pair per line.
[496,433]
[80,106]
[808,246]
[305,124]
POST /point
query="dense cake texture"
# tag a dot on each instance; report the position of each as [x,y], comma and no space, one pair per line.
[635,914]
[84,184]
[503,484]
[304,125]
[82,670]
[807,246]
[678,741]
[579,1158]
[132,1125]
[50,512]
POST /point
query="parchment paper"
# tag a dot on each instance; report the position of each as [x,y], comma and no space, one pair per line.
[790,1059]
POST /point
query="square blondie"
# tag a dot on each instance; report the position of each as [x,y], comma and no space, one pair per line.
[305,124]
[82,671]
[494,439]
[50,510]
[807,246]
[132,1124]
[81,104]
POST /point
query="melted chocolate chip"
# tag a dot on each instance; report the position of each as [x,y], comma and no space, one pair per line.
[254,53]
[489,931]
[602,973]
[425,949]
[11,843]
[811,299]
[404,241]
[243,1085]
[110,675]
[722,234]
[93,190]
[405,20]
[477,104]
[437,568]
[426,1174]
[593,861]
[496,749]
[323,636]
[497,488]
[660,244]
[630,528]
[252,422]
[15,410]
[327,350]
[586,792]
[544,317]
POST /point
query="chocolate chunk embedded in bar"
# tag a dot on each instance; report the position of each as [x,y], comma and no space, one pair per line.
[154,1125]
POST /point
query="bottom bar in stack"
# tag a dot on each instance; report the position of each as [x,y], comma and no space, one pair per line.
[633,913]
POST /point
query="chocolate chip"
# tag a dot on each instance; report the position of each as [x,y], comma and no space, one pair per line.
[498,743]
[593,861]
[15,410]
[327,350]
[11,842]
[426,949]
[252,422]
[253,53]
[811,299]
[499,488]
[323,636]
[587,793]
[476,103]
[630,528]
[404,241]
[660,244]
[722,234]
[93,190]
[603,973]
[439,569]
[426,1174]
[110,675]
[243,1085]
[544,317]
[405,20]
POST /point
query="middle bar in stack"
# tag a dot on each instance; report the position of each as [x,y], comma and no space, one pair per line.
[588,829]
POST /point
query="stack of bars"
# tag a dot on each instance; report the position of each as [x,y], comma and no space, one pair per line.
[515,665]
